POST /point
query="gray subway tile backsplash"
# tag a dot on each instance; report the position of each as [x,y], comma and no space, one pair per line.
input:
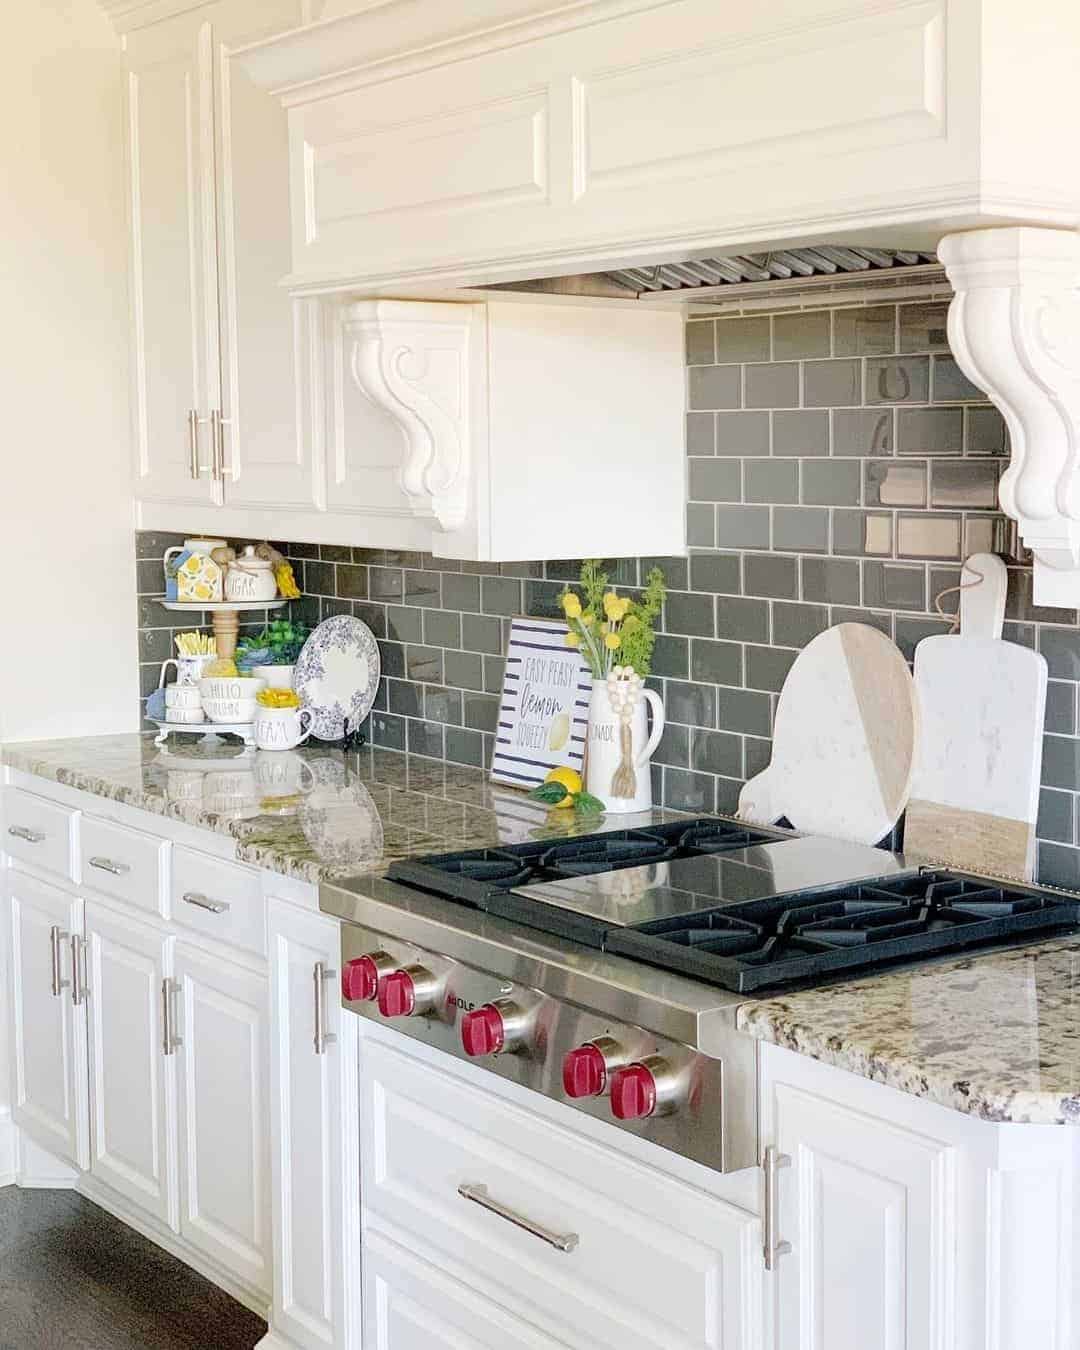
[839,466]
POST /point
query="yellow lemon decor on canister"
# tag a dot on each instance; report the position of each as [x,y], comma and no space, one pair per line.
[199,578]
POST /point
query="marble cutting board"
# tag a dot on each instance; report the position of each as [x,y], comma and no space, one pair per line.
[843,741]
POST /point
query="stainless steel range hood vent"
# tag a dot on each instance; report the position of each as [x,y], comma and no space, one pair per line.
[829,267]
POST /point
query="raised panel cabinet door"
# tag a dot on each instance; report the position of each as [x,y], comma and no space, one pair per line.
[311,1178]
[173,265]
[132,1090]
[48,1033]
[222,1020]
[869,1208]
[411,1305]
[270,441]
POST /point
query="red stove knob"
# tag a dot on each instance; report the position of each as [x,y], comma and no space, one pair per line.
[584,1072]
[633,1093]
[360,976]
[502,1025]
[482,1031]
[404,993]
[650,1087]
[587,1069]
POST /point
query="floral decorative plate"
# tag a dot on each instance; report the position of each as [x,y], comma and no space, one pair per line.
[337,676]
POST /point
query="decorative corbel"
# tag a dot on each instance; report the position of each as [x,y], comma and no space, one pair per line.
[418,361]
[1014,328]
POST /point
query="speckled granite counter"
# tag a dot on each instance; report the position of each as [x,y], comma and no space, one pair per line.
[313,814]
[995,1036]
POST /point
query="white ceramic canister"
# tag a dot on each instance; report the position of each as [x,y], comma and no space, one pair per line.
[250,579]
[281,728]
[605,748]
[276,677]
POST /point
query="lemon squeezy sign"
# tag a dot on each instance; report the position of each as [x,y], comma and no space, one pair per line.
[544,708]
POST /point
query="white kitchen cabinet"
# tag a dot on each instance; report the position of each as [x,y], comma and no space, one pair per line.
[216,340]
[649,1260]
[223,1138]
[416,1306]
[313,1130]
[132,1087]
[48,1033]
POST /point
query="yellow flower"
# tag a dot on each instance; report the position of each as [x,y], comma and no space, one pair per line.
[588,618]
[613,642]
[572,640]
[571,605]
[611,600]
[618,610]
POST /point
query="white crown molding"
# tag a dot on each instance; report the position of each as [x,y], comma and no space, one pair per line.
[419,361]
[1014,328]
[127,15]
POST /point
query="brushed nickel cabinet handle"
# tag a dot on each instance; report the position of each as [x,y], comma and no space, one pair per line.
[117,869]
[57,937]
[193,441]
[78,970]
[773,1246]
[215,444]
[562,1242]
[30,836]
[323,1038]
[170,1041]
[201,901]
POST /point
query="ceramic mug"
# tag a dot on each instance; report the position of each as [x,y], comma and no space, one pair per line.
[276,677]
[605,748]
[281,728]
[189,669]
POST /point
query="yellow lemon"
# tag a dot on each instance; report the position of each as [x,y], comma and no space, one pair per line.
[571,781]
[560,732]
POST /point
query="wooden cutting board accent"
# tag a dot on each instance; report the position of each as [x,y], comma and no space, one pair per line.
[843,740]
[975,793]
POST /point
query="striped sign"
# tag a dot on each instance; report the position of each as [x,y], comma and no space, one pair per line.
[544,709]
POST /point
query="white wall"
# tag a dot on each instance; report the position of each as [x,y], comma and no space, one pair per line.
[68,659]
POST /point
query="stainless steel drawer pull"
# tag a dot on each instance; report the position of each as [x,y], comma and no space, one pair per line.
[323,1038]
[107,865]
[201,901]
[170,1041]
[193,441]
[57,937]
[78,970]
[562,1242]
[773,1247]
[21,832]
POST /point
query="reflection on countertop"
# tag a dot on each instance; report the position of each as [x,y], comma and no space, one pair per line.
[995,1035]
[314,813]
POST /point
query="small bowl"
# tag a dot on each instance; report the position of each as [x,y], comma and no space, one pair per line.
[230,709]
[182,696]
[184,714]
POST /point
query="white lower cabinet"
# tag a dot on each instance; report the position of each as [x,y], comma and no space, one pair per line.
[649,1259]
[220,1022]
[48,1034]
[315,1147]
[132,1088]
[412,1305]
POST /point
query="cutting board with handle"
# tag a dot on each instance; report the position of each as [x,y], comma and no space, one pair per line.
[975,792]
[843,739]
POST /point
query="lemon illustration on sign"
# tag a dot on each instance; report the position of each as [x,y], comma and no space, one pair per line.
[560,731]
[570,779]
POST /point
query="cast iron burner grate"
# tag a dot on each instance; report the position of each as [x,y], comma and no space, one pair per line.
[475,875]
[847,929]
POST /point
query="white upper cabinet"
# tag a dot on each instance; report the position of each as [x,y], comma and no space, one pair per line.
[216,399]
[452,143]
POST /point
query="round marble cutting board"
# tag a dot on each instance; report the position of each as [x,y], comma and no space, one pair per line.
[843,741]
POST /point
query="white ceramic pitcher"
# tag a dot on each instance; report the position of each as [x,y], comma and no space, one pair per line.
[605,748]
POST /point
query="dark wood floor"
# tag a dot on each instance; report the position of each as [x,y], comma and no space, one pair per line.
[73,1278]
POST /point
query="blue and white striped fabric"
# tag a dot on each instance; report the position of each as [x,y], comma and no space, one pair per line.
[544,709]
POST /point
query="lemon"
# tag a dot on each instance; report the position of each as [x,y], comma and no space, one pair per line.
[570,780]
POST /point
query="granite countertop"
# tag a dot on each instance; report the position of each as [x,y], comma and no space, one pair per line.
[315,814]
[995,1036]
